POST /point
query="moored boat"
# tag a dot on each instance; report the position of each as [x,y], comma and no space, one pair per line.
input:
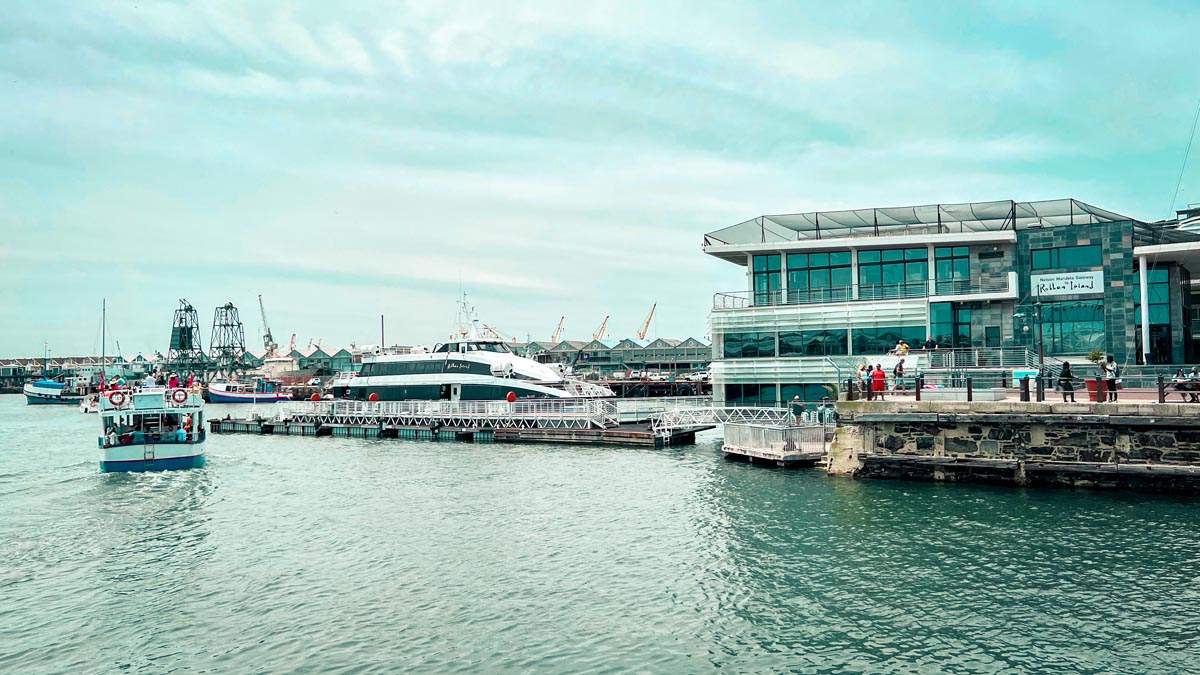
[151,430]
[52,392]
[259,390]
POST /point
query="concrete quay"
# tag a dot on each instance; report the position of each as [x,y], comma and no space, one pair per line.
[1125,445]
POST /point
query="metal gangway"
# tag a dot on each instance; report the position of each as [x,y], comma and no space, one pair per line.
[680,418]
[541,414]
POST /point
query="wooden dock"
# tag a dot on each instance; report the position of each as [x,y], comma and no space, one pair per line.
[628,434]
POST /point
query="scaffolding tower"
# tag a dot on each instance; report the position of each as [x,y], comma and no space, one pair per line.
[186,355]
[228,344]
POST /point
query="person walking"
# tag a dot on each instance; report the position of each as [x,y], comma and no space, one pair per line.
[898,374]
[878,381]
[1110,375]
[797,410]
[1066,382]
[865,373]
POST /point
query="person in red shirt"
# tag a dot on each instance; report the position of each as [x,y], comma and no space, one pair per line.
[878,381]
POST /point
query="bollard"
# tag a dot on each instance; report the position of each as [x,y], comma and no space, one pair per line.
[1162,390]
[1041,388]
[919,384]
[1025,389]
[851,390]
[1101,395]
[970,390]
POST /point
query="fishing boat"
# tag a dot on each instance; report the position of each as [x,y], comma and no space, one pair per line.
[43,392]
[151,430]
[258,390]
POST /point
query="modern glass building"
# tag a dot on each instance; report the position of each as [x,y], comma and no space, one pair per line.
[825,290]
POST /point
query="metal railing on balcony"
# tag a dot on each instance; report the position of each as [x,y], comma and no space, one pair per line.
[862,292]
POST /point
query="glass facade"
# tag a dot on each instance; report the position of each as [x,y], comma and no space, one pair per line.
[950,324]
[1074,327]
[807,391]
[749,345]
[952,268]
[751,395]
[813,343]
[1158,293]
[767,280]
[819,277]
[880,340]
[893,273]
[1067,257]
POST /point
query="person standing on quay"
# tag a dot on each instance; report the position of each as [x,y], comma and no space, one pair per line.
[1066,382]
[864,373]
[898,373]
[1110,375]
[878,381]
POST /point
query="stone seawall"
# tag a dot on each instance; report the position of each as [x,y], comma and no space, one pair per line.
[1134,446]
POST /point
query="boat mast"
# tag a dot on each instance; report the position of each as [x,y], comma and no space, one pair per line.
[103,340]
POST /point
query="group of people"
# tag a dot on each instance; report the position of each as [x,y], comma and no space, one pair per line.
[1109,374]
[173,430]
[1188,385]
[902,348]
[873,379]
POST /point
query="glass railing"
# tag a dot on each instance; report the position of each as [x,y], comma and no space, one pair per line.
[862,292]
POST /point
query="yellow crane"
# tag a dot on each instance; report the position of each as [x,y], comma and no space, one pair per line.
[641,334]
[599,334]
[557,331]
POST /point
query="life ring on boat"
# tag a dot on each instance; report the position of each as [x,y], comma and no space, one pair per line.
[117,398]
[179,396]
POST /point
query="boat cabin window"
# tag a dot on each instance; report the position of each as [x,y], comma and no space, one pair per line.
[497,347]
[446,347]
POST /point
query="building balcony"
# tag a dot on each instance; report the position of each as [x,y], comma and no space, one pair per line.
[937,290]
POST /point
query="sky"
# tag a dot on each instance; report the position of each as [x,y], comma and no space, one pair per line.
[347,160]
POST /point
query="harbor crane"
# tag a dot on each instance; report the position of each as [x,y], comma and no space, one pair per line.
[557,331]
[641,334]
[268,340]
[292,344]
[599,334]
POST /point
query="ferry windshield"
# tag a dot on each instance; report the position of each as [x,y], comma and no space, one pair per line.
[497,347]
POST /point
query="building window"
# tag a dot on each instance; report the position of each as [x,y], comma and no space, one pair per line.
[1071,327]
[750,395]
[868,341]
[950,324]
[813,343]
[1067,257]
[808,392]
[953,269]
[749,345]
[819,277]
[1158,292]
[766,280]
[893,273]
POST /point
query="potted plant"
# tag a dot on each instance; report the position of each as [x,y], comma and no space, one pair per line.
[1092,383]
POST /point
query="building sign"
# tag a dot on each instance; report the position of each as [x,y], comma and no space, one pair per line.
[1067,283]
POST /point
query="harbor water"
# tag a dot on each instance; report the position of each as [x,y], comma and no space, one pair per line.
[303,555]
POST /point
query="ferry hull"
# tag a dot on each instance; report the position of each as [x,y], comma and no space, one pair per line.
[156,464]
[215,396]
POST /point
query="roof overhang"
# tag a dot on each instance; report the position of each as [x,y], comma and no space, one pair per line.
[736,253]
[1185,253]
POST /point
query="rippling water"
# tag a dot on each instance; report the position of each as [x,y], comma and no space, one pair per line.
[300,555]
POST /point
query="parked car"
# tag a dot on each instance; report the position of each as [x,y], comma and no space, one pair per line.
[635,374]
[699,376]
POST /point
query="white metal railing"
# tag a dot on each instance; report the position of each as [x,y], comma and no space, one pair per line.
[778,442]
[642,409]
[865,292]
[597,413]
[668,421]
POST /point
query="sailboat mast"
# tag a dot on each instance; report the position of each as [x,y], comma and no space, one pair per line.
[103,341]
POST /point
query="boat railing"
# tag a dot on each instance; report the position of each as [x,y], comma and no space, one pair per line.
[143,438]
[599,412]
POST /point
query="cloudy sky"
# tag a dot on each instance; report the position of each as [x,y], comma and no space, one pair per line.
[348,160]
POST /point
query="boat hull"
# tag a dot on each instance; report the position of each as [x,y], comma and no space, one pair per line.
[156,464]
[217,396]
[43,399]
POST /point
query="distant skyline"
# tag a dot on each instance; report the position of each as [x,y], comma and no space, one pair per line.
[549,159]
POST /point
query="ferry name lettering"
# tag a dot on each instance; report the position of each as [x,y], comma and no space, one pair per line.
[457,365]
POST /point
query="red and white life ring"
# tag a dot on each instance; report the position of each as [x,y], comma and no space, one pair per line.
[179,396]
[117,398]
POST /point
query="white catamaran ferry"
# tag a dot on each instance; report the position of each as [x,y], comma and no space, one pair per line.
[470,367]
[151,430]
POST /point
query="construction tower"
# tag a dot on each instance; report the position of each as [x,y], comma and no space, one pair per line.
[186,355]
[228,344]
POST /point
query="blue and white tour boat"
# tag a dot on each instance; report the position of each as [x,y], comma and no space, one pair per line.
[70,392]
[151,430]
[258,390]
